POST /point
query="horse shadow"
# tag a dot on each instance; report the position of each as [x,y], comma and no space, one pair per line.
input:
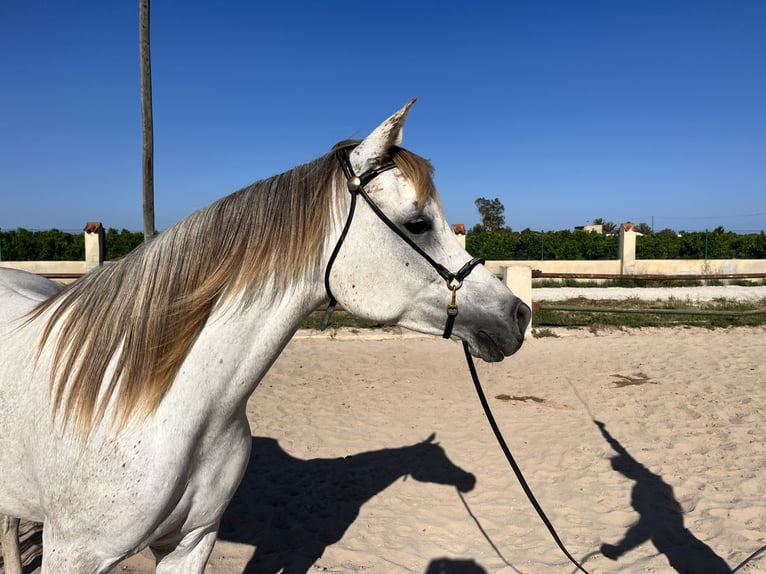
[292,509]
[660,519]
[449,566]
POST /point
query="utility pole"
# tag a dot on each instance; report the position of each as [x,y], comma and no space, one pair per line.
[147,121]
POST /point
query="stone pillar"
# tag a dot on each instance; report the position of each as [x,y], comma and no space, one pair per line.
[518,278]
[94,245]
[627,248]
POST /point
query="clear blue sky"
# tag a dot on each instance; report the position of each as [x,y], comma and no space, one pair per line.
[565,110]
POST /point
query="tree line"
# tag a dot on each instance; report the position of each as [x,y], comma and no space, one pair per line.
[491,239]
[56,245]
[498,244]
[505,244]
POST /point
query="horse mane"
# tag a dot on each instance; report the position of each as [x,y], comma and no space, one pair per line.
[125,329]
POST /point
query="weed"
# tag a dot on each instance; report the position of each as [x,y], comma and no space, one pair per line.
[541,333]
[636,313]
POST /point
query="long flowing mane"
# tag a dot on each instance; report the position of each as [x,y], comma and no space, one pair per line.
[127,327]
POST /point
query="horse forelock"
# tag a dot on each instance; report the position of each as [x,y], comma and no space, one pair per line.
[123,331]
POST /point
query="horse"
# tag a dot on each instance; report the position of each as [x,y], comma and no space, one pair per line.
[123,395]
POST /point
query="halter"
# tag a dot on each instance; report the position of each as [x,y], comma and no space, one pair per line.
[356,186]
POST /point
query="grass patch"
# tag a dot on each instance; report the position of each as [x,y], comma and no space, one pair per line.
[566,282]
[635,313]
[748,282]
[542,333]
[633,283]
[577,313]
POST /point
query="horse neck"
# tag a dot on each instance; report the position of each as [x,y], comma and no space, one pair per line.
[241,341]
[387,465]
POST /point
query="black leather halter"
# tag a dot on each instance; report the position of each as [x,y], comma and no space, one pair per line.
[356,186]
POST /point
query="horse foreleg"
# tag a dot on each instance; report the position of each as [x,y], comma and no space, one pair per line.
[189,556]
[9,533]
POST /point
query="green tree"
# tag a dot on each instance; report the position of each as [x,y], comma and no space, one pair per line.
[492,213]
[505,244]
[606,226]
[644,229]
[52,245]
[120,243]
[500,244]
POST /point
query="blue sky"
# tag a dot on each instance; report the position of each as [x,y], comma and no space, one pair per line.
[565,110]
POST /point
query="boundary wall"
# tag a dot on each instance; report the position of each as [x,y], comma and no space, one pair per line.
[642,266]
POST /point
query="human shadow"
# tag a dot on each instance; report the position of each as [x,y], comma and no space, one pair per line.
[660,519]
[292,509]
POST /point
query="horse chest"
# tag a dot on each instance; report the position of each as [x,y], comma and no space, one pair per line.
[154,485]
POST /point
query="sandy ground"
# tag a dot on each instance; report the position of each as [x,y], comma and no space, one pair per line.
[647,449]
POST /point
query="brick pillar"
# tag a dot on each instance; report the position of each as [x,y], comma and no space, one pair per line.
[94,245]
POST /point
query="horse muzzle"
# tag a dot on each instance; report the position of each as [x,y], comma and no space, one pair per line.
[500,339]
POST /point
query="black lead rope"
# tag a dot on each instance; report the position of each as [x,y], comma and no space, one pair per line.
[356,185]
[512,461]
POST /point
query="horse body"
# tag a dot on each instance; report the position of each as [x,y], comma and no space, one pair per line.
[123,422]
[179,466]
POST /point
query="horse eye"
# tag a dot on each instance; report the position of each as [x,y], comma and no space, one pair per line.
[418,226]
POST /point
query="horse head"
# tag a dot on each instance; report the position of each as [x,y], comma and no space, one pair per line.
[400,262]
[429,463]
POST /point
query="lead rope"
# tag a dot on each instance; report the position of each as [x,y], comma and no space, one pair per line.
[512,461]
[454,281]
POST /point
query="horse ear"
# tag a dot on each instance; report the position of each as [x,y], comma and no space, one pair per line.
[376,145]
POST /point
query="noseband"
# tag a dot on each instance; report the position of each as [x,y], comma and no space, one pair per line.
[356,186]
